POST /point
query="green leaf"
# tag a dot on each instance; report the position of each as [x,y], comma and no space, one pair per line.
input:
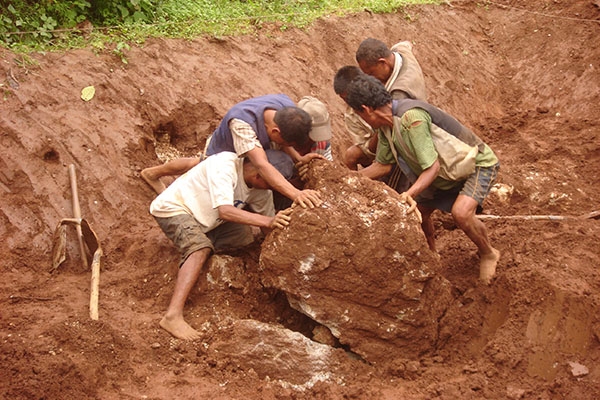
[124,11]
[139,16]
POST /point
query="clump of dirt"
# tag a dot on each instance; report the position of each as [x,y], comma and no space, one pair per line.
[523,75]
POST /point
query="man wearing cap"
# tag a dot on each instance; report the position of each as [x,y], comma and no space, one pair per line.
[317,146]
[248,129]
[203,211]
[320,133]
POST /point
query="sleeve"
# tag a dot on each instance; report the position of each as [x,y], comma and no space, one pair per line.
[417,124]
[323,148]
[399,94]
[358,131]
[244,136]
[384,152]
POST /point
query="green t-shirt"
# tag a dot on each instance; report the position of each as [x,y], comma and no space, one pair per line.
[415,129]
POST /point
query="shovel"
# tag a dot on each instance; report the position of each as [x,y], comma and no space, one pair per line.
[89,245]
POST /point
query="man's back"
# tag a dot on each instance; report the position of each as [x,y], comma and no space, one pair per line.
[409,82]
[250,111]
[214,182]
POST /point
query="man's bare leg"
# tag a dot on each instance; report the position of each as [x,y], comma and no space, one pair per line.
[355,156]
[487,266]
[150,176]
[187,276]
[463,212]
[428,228]
[177,166]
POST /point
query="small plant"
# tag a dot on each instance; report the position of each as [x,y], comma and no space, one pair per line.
[6,93]
[120,49]
[25,61]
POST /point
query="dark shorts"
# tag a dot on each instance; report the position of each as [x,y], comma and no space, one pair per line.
[186,234]
[477,186]
[397,180]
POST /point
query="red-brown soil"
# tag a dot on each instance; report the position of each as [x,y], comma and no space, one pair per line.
[525,75]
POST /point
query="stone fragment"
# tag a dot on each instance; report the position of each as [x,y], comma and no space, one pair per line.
[276,353]
[514,392]
[226,271]
[578,369]
[322,334]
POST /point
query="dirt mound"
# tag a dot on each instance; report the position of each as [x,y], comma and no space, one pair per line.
[524,75]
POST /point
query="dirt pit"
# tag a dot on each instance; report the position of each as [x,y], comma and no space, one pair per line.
[523,74]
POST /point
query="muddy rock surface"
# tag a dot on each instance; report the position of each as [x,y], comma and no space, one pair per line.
[524,75]
[380,295]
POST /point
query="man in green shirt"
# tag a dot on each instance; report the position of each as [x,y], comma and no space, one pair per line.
[441,177]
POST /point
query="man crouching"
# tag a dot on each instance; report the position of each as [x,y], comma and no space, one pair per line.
[203,211]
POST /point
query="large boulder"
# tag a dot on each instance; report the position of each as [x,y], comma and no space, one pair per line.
[359,265]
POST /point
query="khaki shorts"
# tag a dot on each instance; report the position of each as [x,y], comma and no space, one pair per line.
[187,235]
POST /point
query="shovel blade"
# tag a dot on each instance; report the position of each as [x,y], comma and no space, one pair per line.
[90,238]
[59,240]
[59,247]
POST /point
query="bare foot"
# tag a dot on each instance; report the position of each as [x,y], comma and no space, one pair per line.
[179,328]
[487,266]
[154,183]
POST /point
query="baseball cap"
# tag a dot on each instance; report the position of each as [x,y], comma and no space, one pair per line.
[321,126]
[282,162]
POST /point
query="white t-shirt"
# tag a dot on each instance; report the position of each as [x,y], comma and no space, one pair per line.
[216,181]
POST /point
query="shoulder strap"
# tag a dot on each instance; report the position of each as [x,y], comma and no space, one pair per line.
[442,120]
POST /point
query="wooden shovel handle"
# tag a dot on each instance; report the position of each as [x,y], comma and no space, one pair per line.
[77,212]
[94,285]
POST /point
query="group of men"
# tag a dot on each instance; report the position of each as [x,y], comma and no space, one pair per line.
[425,154]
